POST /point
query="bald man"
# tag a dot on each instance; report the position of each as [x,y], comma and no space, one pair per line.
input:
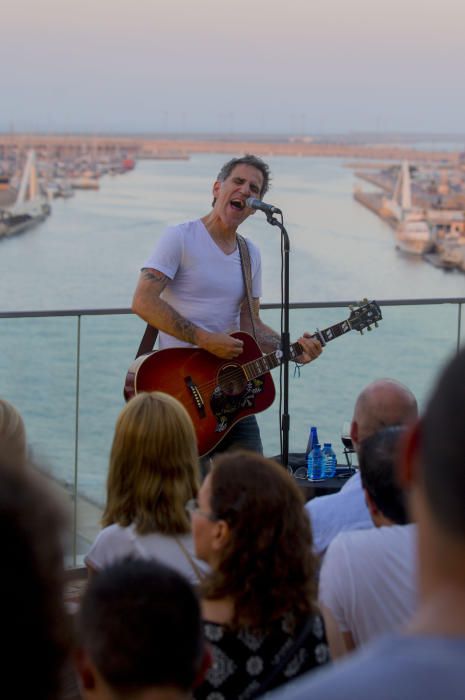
[382,403]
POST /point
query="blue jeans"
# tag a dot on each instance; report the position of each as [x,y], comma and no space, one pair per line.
[244,435]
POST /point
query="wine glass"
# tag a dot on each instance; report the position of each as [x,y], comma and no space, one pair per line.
[347,442]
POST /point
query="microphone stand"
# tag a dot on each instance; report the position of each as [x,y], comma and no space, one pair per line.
[285,339]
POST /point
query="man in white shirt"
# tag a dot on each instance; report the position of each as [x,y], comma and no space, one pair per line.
[382,403]
[425,660]
[367,582]
[191,288]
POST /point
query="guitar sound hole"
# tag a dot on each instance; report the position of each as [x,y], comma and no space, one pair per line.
[231,380]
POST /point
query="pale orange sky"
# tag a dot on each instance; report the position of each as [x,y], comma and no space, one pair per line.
[295,66]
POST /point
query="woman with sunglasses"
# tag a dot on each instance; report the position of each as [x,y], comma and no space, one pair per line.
[258,601]
[154,469]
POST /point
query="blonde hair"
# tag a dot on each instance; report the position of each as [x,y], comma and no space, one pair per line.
[154,466]
[12,434]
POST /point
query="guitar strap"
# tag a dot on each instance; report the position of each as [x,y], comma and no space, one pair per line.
[148,340]
[247,275]
[198,572]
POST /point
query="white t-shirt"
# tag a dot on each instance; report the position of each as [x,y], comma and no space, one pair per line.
[207,285]
[368,580]
[115,542]
[345,510]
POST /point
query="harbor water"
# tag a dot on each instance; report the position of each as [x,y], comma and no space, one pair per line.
[88,253]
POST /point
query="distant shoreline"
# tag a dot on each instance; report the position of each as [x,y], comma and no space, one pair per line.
[160,147]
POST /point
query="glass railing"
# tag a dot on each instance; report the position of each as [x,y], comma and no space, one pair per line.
[65,372]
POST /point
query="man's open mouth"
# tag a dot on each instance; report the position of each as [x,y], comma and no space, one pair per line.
[237,204]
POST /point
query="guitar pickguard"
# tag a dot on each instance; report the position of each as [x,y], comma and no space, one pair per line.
[226,407]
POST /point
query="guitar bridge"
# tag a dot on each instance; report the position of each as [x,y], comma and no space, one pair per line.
[196,395]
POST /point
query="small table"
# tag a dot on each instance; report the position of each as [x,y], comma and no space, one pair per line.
[312,489]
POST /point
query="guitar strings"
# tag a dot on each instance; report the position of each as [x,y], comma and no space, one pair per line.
[239,374]
[234,375]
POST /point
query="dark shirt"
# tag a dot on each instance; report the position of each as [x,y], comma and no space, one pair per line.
[243,659]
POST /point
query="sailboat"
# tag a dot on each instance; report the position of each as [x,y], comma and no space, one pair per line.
[30,206]
[413,232]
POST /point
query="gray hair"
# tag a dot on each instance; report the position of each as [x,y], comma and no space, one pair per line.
[254,162]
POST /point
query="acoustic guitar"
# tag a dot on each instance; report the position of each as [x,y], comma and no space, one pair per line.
[218,393]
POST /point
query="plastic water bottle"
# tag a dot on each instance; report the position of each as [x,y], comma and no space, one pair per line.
[315,464]
[329,461]
[312,440]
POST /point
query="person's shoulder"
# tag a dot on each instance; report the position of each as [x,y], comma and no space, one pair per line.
[353,483]
[396,666]
[323,503]
[183,228]
[361,672]
[113,539]
[113,533]
[254,250]
[374,542]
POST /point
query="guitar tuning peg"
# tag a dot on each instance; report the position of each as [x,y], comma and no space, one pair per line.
[361,332]
[368,328]
[376,324]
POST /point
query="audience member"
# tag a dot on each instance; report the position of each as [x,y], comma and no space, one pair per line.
[259,599]
[367,581]
[153,472]
[13,446]
[382,403]
[34,622]
[139,634]
[426,660]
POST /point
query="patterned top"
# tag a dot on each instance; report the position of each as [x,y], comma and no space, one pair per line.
[243,659]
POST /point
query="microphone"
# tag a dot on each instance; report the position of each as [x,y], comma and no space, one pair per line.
[263,206]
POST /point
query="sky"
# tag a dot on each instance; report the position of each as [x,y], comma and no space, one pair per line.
[238,66]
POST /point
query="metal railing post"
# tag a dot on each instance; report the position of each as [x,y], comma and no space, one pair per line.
[76,439]
[459,326]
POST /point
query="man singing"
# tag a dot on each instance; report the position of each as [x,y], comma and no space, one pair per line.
[191,288]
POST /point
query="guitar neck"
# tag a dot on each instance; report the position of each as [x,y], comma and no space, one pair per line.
[263,364]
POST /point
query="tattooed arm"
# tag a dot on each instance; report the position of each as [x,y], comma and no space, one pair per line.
[269,340]
[148,304]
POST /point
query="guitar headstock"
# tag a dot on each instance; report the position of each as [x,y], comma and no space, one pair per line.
[365,315]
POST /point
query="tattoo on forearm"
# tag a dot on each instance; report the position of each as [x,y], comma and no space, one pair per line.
[185,330]
[269,340]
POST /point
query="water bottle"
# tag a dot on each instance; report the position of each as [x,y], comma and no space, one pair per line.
[329,461]
[315,466]
[312,440]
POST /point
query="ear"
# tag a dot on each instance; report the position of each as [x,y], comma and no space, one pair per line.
[354,432]
[408,462]
[216,189]
[371,505]
[221,535]
[85,670]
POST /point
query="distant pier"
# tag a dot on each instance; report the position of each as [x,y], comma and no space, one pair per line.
[374,202]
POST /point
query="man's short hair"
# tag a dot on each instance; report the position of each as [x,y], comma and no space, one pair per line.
[442,448]
[378,458]
[251,160]
[140,623]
